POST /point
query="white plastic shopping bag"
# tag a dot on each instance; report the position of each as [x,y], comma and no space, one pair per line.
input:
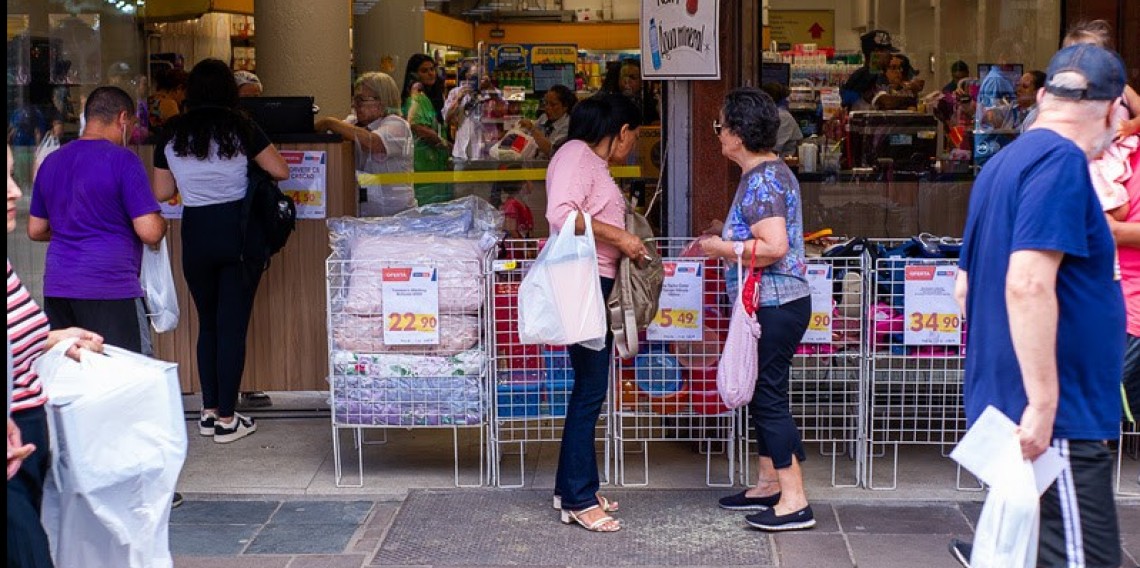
[560,298]
[739,364]
[1007,531]
[48,145]
[118,440]
[158,283]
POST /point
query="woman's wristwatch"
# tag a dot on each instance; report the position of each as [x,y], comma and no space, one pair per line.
[738,248]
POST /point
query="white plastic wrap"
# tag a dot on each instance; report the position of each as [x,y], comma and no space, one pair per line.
[118,445]
[465,218]
[365,334]
[465,363]
[459,262]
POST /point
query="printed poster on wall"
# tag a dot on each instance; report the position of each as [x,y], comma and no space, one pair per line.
[932,315]
[680,309]
[819,326]
[411,305]
[679,39]
[306,183]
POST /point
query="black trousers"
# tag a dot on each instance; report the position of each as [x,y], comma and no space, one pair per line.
[781,329]
[116,320]
[1078,512]
[223,283]
[27,541]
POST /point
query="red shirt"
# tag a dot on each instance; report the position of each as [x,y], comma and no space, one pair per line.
[517,210]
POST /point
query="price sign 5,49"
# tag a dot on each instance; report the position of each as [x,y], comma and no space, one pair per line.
[409,322]
[941,323]
[671,317]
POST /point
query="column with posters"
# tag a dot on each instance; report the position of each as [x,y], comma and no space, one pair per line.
[679,39]
[932,314]
[679,308]
[308,172]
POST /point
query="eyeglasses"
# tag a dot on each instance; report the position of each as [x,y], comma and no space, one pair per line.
[359,100]
[717,126]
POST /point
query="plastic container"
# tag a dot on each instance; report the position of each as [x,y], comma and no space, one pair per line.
[558,369]
[518,395]
[556,396]
[516,357]
[707,403]
[675,403]
[701,379]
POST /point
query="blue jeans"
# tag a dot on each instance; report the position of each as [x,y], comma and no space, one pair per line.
[27,541]
[1131,376]
[577,478]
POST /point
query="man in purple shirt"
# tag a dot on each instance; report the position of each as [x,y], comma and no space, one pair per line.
[92,202]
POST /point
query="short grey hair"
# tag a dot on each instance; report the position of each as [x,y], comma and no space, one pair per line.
[385,88]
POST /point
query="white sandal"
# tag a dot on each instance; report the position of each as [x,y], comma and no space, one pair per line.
[599,525]
[607,505]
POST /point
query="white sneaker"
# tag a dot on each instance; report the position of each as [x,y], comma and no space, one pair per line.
[206,423]
[241,427]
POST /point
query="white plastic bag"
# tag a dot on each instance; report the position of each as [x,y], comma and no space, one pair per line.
[739,364]
[1007,531]
[48,145]
[118,437]
[158,282]
[560,298]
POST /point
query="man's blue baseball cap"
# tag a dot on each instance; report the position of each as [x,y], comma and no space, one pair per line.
[1101,68]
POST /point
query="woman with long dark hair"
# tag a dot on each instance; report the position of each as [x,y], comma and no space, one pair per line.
[602,130]
[431,149]
[205,156]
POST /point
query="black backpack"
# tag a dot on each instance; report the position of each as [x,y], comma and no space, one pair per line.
[268,216]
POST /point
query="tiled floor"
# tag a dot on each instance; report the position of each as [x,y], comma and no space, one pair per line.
[487,527]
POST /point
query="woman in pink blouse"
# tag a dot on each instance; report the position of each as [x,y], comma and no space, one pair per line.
[602,130]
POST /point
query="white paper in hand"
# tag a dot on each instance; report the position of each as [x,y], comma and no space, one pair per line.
[987,437]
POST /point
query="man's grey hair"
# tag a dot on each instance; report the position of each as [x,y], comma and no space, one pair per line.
[385,88]
[1073,108]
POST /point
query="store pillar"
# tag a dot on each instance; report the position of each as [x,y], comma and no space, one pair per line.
[305,51]
[393,28]
[712,177]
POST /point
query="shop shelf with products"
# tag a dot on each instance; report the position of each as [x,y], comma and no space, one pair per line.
[244,57]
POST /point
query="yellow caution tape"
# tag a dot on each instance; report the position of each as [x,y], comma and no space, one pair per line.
[477,176]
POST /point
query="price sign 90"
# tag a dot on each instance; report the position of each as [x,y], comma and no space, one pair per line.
[820,321]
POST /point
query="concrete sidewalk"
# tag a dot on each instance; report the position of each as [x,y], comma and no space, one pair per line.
[271,501]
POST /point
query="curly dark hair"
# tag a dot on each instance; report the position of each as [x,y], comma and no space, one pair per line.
[752,115]
[212,114]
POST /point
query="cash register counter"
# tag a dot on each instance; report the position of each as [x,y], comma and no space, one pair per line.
[287,348]
[879,205]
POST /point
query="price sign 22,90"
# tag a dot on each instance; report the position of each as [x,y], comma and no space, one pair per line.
[411,305]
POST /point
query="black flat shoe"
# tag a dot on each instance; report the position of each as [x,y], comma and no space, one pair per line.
[742,502]
[769,521]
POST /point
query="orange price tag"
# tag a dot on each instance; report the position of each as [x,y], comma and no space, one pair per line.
[941,323]
[671,317]
[408,322]
[820,321]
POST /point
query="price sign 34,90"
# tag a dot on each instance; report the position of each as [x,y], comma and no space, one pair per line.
[411,305]
[933,317]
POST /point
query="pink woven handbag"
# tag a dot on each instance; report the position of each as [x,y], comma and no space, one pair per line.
[739,364]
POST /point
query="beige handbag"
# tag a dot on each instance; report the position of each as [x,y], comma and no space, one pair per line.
[632,304]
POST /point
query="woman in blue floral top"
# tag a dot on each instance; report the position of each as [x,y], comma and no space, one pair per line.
[765,220]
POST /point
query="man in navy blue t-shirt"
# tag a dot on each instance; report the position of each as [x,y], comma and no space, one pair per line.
[1046,318]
